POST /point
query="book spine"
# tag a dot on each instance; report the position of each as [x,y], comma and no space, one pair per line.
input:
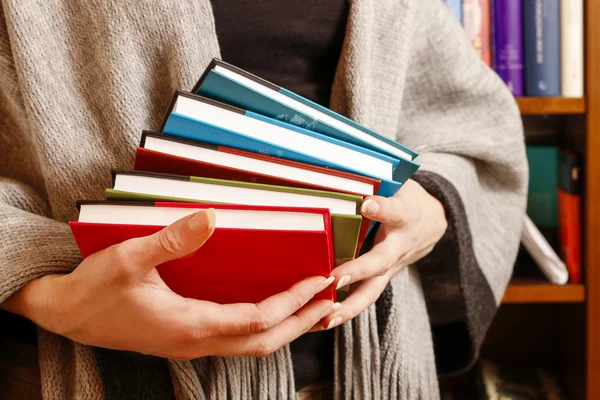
[508,44]
[476,22]
[542,49]
[571,20]
[456,7]
[569,213]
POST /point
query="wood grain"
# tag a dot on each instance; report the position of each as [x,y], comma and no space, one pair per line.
[592,196]
[551,105]
[531,291]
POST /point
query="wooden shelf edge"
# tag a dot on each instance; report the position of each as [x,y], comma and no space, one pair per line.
[551,105]
[530,291]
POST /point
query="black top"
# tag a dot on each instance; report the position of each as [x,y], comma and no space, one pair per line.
[295,44]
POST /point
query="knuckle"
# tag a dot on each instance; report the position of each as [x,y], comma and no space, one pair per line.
[188,335]
[263,349]
[169,242]
[123,262]
[260,321]
[295,300]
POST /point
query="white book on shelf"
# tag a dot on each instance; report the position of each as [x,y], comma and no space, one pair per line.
[543,254]
[571,38]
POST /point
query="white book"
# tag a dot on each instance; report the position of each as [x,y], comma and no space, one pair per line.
[543,254]
[110,213]
[163,186]
[208,113]
[571,37]
[180,148]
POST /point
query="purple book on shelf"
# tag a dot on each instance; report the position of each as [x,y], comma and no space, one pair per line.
[507,34]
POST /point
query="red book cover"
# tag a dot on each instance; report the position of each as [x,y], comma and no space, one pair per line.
[476,22]
[234,265]
[569,214]
[155,161]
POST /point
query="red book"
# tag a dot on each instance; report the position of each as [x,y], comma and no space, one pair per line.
[569,213]
[476,22]
[184,157]
[247,259]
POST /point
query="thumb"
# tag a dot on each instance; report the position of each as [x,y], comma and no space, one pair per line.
[388,210]
[177,240]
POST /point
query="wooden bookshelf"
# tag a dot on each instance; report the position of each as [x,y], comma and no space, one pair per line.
[522,291]
[551,105]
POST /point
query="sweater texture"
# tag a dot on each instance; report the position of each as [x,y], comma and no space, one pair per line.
[79,80]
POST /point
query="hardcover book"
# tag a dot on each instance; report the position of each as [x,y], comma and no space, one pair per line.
[476,22]
[170,155]
[507,35]
[344,208]
[231,85]
[569,212]
[201,119]
[571,28]
[542,47]
[254,252]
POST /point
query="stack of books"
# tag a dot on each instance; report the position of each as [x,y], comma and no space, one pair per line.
[286,177]
[535,46]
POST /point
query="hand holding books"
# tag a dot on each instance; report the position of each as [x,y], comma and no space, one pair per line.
[116,299]
[412,222]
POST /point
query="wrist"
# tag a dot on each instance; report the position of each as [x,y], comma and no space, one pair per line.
[34,300]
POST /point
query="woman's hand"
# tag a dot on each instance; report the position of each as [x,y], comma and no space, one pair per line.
[116,299]
[412,222]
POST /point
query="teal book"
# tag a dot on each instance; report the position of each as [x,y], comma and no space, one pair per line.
[205,120]
[542,203]
[231,85]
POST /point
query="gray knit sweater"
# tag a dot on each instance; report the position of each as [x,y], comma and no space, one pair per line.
[80,79]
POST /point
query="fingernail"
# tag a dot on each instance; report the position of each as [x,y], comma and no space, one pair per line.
[326,283]
[203,221]
[334,322]
[333,308]
[343,282]
[370,207]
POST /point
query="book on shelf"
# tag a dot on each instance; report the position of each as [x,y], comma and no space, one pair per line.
[507,43]
[569,211]
[286,176]
[536,45]
[541,26]
[476,22]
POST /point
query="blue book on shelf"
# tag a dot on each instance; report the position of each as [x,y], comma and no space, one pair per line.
[236,134]
[542,47]
[231,85]
[456,7]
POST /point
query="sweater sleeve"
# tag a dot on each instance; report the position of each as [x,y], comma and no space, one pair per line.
[31,243]
[465,123]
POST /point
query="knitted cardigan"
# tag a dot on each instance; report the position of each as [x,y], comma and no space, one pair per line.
[80,79]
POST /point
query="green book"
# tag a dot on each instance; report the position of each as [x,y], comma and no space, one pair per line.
[344,208]
[543,185]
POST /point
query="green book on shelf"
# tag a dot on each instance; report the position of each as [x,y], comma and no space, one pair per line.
[344,208]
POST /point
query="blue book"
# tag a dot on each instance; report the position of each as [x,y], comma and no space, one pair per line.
[231,85]
[542,47]
[201,119]
[456,7]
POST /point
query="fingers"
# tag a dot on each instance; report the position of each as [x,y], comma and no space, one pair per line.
[376,262]
[266,343]
[237,319]
[361,298]
[388,210]
[177,240]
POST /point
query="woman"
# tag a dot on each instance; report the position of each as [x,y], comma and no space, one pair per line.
[80,80]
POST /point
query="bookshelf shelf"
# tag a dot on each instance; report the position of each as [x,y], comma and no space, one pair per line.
[521,291]
[551,105]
